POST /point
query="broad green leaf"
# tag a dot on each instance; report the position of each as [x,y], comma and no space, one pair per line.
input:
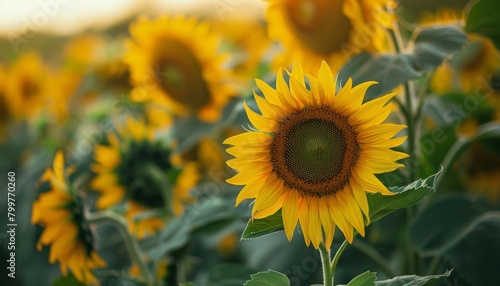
[174,236]
[407,196]
[476,256]
[260,227]
[387,69]
[442,224]
[364,279]
[430,46]
[436,43]
[213,211]
[483,19]
[229,275]
[414,280]
[268,278]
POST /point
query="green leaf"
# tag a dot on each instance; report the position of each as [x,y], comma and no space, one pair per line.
[407,196]
[475,256]
[268,278]
[187,284]
[260,227]
[388,70]
[414,280]
[174,236]
[442,224]
[229,275]
[483,19]
[436,43]
[430,47]
[364,279]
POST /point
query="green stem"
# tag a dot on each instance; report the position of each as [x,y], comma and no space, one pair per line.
[327,265]
[337,257]
[375,256]
[130,242]
[409,95]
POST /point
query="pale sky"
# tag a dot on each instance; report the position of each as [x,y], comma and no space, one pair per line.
[71,16]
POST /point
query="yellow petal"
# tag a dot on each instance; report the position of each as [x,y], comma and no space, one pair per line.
[290,212]
[261,123]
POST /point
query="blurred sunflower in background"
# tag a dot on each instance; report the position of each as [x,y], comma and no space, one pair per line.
[314,154]
[481,168]
[61,211]
[315,30]
[175,65]
[136,168]
[27,86]
[474,67]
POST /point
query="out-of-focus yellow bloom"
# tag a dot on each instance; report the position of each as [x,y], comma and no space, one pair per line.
[81,53]
[61,212]
[174,63]
[479,68]
[332,30]
[135,167]
[482,169]
[442,16]
[27,86]
[227,244]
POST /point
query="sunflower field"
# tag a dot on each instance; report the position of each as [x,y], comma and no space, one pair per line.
[250,142]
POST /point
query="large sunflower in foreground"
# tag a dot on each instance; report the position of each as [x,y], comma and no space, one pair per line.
[136,167]
[315,154]
[175,65]
[61,212]
[332,30]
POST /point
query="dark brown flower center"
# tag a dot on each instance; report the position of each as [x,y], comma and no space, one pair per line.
[314,151]
[29,88]
[319,24]
[180,74]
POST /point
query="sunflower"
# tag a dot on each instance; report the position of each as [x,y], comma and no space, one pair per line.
[61,212]
[136,167]
[27,86]
[332,30]
[480,65]
[174,64]
[442,16]
[482,168]
[314,154]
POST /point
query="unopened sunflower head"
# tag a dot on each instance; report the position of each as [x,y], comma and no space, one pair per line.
[136,167]
[314,154]
[61,212]
[175,64]
[332,30]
